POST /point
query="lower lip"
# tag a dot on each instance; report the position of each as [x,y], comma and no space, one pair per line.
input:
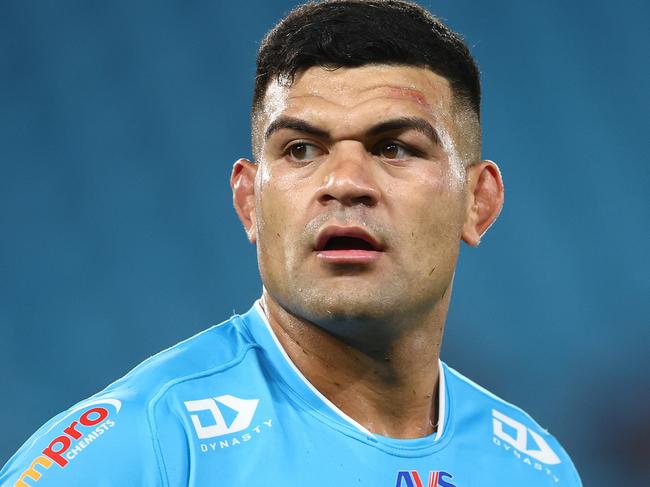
[351,256]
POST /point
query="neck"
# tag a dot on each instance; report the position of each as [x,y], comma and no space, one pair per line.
[393,392]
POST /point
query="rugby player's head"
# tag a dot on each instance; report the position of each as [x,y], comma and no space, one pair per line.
[353,33]
[368,175]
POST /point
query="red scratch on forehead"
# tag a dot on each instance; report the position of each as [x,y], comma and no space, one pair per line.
[409,93]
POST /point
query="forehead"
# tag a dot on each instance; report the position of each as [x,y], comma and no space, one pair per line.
[368,91]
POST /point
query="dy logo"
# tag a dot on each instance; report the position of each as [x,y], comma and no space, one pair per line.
[537,448]
[243,409]
[411,478]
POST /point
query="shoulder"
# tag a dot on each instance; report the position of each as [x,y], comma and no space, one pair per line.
[113,435]
[217,348]
[507,434]
[87,442]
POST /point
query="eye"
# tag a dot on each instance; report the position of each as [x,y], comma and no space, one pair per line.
[392,150]
[303,151]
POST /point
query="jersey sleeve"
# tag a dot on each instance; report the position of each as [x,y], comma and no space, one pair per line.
[103,441]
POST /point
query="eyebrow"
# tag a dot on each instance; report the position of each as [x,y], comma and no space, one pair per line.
[295,124]
[392,125]
[406,123]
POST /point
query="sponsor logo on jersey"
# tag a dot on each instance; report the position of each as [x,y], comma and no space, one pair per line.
[228,417]
[90,421]
[525,444]
[411,478]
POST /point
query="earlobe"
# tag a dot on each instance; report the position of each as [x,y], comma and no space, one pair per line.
[484,200]
[242,183]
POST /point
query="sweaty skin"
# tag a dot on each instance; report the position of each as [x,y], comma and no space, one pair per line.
[373,149]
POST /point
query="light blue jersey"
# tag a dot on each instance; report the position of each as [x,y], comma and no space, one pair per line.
[228,408]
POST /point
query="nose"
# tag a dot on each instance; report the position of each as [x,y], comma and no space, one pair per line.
[348,176]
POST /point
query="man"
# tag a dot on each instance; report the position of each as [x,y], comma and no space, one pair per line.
[368,175]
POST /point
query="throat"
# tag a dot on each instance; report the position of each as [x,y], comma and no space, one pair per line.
[388,393]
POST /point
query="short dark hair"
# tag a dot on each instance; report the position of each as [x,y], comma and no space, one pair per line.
[353,33]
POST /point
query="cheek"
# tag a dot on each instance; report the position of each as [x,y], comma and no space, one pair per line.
[274,182]
[271,219]
[278,223]
[284,190]
[433,211]
[432,188]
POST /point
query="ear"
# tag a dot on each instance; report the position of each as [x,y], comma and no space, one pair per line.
[242,183]
[484,200]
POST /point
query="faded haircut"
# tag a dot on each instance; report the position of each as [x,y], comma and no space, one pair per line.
[353,33]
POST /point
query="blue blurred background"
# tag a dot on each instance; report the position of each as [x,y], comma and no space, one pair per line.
[119,123]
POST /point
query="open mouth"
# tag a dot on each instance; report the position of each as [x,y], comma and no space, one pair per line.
[347,245]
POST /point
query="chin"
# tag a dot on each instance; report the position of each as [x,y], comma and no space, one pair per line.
[336,309]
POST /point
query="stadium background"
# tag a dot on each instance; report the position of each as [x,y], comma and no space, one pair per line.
[119,122]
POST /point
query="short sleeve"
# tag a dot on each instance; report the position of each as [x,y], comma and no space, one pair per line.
[100,442]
